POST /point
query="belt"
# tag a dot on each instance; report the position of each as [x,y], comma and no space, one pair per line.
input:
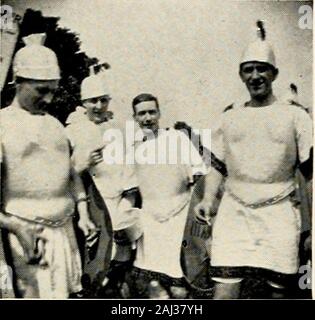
[282,195]
[44,221]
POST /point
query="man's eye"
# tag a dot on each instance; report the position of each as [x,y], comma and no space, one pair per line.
[43,90]
[152,112]
[248,69]
[105,100]
[94,100]
[262,69]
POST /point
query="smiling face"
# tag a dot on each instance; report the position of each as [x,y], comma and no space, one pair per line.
[258,77]
[35,96]
[96,108]
[147,115]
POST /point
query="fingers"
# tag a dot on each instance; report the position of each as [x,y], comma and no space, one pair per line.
[96,156]
[84,226]
[41,246]
[109,115]
[91,226]
[38,229]
[84,229]
[202,212]
[30,255]
[37,254]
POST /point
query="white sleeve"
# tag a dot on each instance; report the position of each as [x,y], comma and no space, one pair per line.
[196,164]
[304,134]
[217,141]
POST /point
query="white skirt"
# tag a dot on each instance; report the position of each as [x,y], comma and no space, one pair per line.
[266,237]
[61,277]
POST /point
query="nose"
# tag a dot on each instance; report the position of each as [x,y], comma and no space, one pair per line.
[147,116]
[47,98]
[255,74]
[98,105]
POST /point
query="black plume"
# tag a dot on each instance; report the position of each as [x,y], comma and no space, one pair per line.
[261,30]
[294,88]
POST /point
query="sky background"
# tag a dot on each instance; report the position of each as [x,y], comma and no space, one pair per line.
[185,52]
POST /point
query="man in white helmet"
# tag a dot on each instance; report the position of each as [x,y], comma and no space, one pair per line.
[39,186]
[263,142]
[115,182]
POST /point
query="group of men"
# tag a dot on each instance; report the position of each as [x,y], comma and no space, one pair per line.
[261,144]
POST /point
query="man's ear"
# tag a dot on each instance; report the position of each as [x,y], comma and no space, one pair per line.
[275,73]
[241,75]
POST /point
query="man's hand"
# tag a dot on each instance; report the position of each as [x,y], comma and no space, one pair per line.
[32,242]
[87,226]
[203,211]
[308,243]
[96,157]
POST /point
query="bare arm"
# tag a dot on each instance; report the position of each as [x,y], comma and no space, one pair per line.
[79,194]
[212,183]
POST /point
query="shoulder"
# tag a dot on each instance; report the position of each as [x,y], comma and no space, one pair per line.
[296,110]
[53,126]
[10,117]
[54,122]
[299,108]
[232,110]
[179,133]
[76,115]
[8,112]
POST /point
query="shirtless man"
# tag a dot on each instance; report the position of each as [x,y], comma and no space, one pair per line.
[39,186]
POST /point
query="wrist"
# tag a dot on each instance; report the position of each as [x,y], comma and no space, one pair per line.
[13,225]
[83,199]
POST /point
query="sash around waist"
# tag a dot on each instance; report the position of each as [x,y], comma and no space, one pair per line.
[54,209]
[162,209]
[253,193]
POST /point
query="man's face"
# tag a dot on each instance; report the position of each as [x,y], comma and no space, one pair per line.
[35,96]
[96,108]
[147,115]
[258,77]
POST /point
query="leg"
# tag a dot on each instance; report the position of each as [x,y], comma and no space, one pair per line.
[227,288]
[122,253]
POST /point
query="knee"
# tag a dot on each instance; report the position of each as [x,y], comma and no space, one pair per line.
[223,291]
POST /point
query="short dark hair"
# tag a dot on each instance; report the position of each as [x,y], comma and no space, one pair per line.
[143,97]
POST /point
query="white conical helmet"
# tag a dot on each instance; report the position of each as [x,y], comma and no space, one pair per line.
[259,50]
[93,86]
[35,61]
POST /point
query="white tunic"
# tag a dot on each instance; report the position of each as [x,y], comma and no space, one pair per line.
[166,196]
[111,179]
[261,148]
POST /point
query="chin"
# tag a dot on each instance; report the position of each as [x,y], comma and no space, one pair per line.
[259,95]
